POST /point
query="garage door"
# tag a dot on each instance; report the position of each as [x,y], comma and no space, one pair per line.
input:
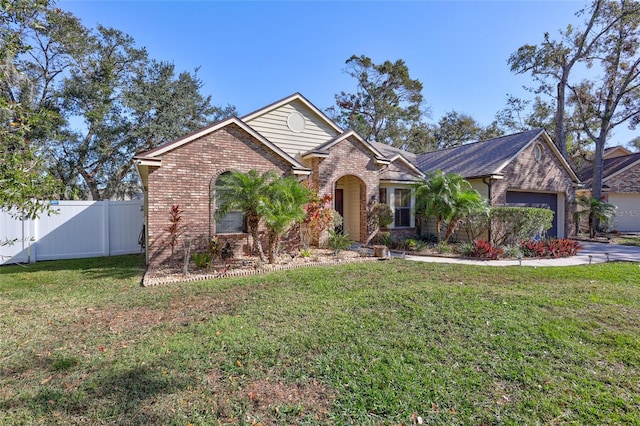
[537,199]
[628,213]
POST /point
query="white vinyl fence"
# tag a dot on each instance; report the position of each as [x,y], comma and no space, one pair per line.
[80,229]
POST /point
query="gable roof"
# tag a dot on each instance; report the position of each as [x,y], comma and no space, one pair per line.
[295,97]
[323,150]
[153,156]
[488,157]
[615,151]
[611,167]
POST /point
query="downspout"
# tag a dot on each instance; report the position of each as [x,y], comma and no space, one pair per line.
[488,181]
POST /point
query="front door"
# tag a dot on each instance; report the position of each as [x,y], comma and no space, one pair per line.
[339,204]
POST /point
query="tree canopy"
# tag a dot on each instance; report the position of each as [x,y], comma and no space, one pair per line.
[387,105]
[100,98]
[25,184]
[607,47]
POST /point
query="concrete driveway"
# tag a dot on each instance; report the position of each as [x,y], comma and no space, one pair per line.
[590,253]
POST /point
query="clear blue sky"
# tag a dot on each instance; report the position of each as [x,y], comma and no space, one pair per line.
[251,54]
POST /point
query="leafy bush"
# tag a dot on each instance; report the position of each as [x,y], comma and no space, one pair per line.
[413,244]
[484,250]
[226,252]
[554,248]
[465,248]
[338,241]
[442,247]
[476,224]
[513,251]
[510,225]
[382,215]
[201,260]
[305,252]
[383,238]
[429,238]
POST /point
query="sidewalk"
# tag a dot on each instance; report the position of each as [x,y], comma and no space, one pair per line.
[590,253]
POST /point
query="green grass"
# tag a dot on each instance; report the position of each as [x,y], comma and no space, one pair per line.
[626,240]
[371,343]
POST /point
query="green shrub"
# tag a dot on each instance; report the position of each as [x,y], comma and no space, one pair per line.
[226,252]
[382,215]
[383,238]
[305,252]
[338,241]
[443,248]
[465,248]
[429,238]
[201,260]
[513,251]
[510,225]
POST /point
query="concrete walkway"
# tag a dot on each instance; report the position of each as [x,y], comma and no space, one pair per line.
[590,253]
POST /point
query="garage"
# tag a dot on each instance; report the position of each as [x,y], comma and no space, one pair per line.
[628,211]
[540,200]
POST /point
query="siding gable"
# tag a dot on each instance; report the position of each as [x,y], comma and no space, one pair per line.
[273,125]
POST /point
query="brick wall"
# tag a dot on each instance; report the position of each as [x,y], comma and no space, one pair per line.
[625,182]
[186,178]
[525,173]
[350,157]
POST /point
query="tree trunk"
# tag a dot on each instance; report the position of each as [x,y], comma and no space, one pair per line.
[273,247]
[253,222]
[559,133]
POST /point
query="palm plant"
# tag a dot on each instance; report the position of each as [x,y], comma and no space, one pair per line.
[246,192]
[466,202]
[285,205]
[595,210]
[448,198]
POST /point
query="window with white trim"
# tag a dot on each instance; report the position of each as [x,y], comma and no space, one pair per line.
[402,207]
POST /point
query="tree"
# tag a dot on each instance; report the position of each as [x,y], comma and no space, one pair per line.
[552,62]
[107,100]
[607,47]
[25,184]
[634,144]
[284,206]
[448,198]
[246,192]
[456,128]
[387,104]
[614,98]
[595,210]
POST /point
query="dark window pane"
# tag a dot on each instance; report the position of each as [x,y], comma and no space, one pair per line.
[232,223]
[383,196]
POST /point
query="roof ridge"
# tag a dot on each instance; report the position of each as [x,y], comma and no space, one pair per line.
[510,135]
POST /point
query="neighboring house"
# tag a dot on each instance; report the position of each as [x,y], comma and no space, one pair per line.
[294,137]
[620,186]
[523,169]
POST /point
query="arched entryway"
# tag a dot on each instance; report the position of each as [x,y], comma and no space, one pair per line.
[349,201]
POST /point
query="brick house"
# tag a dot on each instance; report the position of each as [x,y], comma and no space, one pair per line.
[620,186]
[295,138]
[523,169]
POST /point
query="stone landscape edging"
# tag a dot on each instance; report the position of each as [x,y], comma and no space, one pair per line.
[150,281]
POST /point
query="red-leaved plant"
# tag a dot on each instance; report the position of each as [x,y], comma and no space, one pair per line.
[484,250]
[319,217]
[554,248]
[175,217]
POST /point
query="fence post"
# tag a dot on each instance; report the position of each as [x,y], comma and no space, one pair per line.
[105,228]
[32,248]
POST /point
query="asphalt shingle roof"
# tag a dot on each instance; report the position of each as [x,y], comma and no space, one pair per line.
[477,159]
[610,166]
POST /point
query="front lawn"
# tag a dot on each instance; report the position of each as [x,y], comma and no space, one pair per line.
[368,343]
